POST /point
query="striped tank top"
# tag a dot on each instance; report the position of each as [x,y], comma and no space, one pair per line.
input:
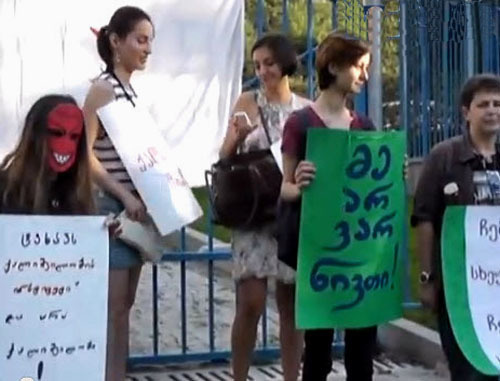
[104,149]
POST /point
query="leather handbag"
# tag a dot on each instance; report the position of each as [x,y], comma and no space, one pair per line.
[244,188]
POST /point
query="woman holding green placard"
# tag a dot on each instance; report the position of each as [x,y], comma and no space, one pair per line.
[342,67]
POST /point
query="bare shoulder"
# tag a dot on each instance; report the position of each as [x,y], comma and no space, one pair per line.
[246,102]
[100,94]
[248,96]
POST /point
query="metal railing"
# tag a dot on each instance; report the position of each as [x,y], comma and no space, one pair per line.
[432,59]
[444,42]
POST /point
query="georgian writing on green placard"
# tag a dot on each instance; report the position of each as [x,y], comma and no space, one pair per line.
[351,229]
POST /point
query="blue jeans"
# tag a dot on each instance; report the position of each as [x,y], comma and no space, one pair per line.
[121,255]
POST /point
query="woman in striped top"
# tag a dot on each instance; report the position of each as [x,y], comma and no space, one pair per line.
[124,45]
[103,147]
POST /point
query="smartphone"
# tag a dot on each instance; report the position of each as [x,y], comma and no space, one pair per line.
[242,118]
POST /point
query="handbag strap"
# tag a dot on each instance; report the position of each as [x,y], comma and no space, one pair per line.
[263,119]
[209,174]
[255,174]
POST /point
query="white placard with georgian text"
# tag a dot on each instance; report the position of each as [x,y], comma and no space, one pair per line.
[151,165]
[54,287]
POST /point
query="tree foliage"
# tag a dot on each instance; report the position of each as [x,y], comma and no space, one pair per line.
[350,18]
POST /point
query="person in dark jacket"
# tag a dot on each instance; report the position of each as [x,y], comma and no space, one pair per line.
[463,170]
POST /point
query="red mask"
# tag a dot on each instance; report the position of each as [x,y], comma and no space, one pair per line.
[65,125]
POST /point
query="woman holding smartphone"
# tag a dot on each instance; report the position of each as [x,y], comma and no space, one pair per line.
[255,251]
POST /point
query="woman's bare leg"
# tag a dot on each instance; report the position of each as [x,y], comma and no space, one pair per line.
[251,300]
[291,339]
[122,288]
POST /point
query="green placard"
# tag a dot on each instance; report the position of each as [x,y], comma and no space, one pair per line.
[352,221]
[459,275]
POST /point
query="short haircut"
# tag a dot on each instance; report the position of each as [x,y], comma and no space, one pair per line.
[282,50]
[476,84]
[341,50]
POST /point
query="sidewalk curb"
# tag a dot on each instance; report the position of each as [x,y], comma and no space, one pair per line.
[412,341]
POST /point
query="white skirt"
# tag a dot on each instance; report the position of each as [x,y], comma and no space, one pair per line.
[255,254]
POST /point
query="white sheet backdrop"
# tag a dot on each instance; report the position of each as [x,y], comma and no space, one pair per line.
[192,78]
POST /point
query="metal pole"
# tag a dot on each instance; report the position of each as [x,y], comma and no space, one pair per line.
[375,9]
[424,82]
[309,35]
[260,18]
[334,15]
[470,54]
[403,69]
[404,121]
[285,22]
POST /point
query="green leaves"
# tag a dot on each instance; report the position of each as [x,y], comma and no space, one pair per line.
[350,18]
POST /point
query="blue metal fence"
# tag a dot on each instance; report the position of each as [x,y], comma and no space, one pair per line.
[182,354]
[351,15]
[444,42]
[212,353]
[440,43]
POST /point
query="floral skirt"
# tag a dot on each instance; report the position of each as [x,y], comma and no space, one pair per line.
[255,254]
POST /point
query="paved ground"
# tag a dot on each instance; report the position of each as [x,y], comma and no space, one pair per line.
[385,371]
[197,311]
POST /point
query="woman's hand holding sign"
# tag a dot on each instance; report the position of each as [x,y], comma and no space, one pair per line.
[136,210]
[113,225]
[304,174]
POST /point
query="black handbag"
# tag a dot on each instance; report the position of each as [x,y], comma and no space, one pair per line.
[244,188]
[288,227]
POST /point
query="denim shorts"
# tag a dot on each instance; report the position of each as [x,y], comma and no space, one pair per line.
[121,255]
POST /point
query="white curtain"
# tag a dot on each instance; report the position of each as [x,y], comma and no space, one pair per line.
[190,83]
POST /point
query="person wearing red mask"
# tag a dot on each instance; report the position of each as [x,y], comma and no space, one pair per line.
[65,126]
[48,172]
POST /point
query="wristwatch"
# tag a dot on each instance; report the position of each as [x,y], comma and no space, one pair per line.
[426,277]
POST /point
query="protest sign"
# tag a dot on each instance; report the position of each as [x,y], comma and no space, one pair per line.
[54,286]
[470,246]
[151,165]
[352,222]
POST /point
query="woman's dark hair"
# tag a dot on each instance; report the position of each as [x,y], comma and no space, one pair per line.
[341,50]
[478,83]
[122,23]
[27,174]
[282,50]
